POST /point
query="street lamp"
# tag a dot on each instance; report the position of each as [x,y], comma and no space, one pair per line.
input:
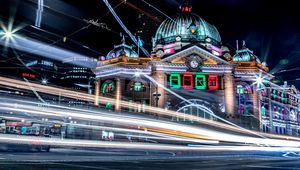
[8,34]
[89,84]
[44,81]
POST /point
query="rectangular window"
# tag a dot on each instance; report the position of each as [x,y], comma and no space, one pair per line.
[175,81]
[188,81]
[200,82]
[213,82]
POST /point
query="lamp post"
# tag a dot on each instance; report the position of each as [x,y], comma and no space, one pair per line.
[156,95]
[89,84]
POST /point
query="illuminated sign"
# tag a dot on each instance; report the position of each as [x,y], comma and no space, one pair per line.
[18,123]
[28,75]
[57,125]
[196,81]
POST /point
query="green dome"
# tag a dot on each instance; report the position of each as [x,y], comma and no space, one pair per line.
[189,27]
[121,49]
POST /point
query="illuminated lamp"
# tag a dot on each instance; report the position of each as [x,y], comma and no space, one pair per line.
[213,82]
[258,80]
[175,81]
[188,81]
[200,82]
[44,81]
[8,34]
[108,106]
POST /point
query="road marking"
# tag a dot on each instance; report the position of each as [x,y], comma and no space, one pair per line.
[268,167]
[82,166]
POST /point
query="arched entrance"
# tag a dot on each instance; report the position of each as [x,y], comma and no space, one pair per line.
[196,107]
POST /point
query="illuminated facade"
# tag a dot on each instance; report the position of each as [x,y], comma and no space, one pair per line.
[189,59]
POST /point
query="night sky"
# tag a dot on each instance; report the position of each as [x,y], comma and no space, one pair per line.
[270,28]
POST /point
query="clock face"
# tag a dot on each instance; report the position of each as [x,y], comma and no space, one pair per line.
[194,63]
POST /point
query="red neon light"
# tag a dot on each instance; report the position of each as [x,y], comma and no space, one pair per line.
[28,75]
[18,124]
[213,82]
[188,81]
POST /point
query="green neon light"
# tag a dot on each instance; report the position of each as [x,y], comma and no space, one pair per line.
[104,88]
[263,111]
[106,85]
[108,106]
[175,81]
[200,82]
[137,87]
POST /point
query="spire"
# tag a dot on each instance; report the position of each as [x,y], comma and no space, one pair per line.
[244,44]
[185,6]
[123,39]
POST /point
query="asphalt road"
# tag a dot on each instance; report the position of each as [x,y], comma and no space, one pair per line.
[108,159]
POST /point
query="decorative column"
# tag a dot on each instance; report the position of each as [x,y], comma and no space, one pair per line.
[158,93]
[256,109]
[118,95]
[97,90]
[270,109]
[230,95]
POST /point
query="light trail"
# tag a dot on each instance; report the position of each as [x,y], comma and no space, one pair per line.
[146,133]
[154,18]
[125,29]
[39,13]
[17,139]
[201,107]
[42,49]
[150,123]
[90,98]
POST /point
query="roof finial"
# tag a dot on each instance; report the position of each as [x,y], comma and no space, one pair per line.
[185,6]
[244,44]
[123,39]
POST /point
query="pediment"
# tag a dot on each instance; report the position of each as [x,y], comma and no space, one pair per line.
[207,58]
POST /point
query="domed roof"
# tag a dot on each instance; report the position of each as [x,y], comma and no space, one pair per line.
[120,50]
[189,27]
[245,55]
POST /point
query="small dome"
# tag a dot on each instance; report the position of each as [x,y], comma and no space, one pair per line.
[121,50]
[245,55]
[189,27]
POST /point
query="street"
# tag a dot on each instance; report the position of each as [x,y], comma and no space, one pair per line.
[128,159]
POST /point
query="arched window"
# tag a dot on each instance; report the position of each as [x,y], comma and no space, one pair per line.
[243,89]
[263,110]
[137,86]
[108,87]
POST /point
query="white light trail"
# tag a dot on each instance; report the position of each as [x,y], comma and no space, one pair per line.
[39,48]
[125,29]
[17,139]
[86,97]
[150,123]
[39,13]
[202,107]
